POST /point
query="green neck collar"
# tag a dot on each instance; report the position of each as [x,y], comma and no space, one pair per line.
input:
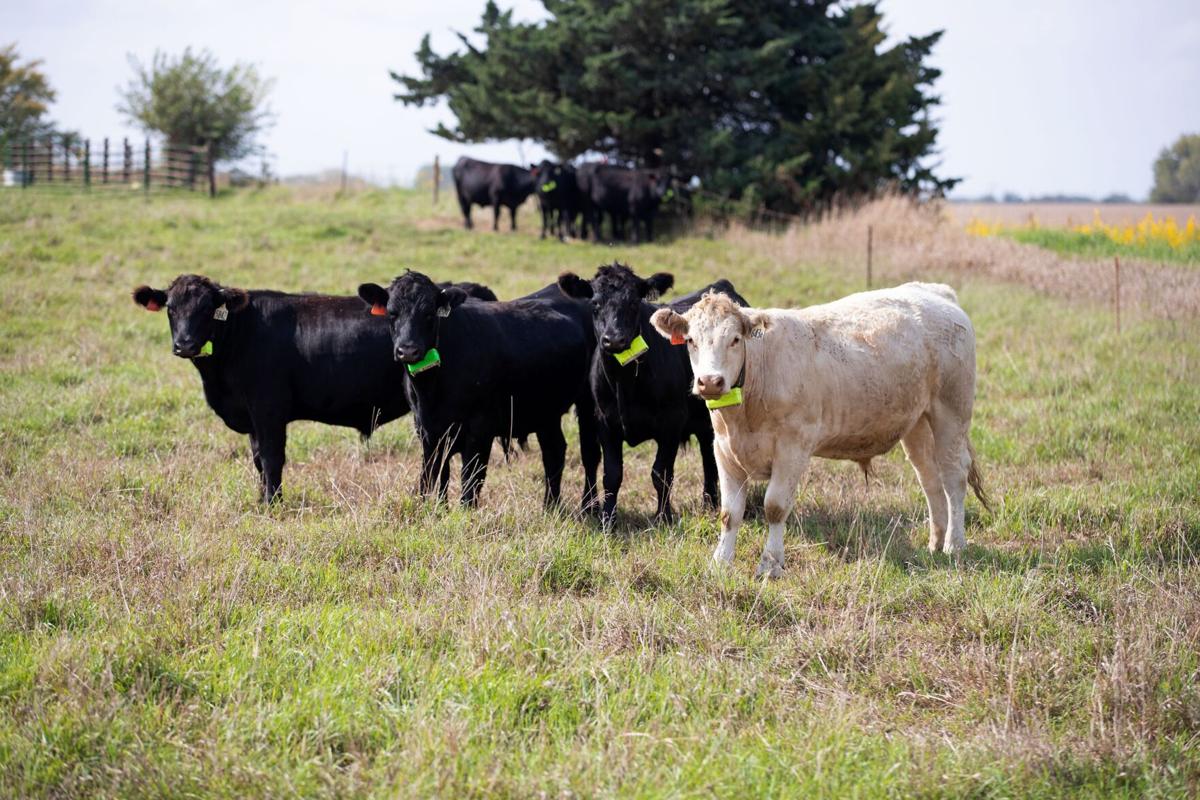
[431,359]
[636,348]
[731,398]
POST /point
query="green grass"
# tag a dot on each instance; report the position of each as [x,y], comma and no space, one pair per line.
[163,635]
[1098,245]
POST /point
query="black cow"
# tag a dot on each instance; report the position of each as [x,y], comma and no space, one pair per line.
[267,358]
[624,194]
[558,196]
[481,371]
[483,184]
[643,396]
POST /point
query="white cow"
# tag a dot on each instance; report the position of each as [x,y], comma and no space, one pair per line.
[843,380]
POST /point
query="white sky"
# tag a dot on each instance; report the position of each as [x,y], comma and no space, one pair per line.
[1039,96]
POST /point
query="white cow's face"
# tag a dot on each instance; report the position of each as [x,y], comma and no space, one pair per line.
[714,331]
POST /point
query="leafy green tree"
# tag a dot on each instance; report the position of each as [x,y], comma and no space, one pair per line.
[787,105]
[193,101]
[25,95]
[1177,172]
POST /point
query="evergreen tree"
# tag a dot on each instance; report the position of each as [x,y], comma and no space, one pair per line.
[786,104]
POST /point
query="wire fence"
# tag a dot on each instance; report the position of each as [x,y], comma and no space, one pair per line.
[69,162]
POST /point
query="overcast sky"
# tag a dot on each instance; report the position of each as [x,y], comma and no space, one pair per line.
[1039,96]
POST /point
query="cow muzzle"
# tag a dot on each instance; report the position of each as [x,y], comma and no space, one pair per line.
[710,386]
[407,354]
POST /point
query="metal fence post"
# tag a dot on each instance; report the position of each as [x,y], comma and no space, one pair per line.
[104,174]
[146,169]
[212,172]
[87,163]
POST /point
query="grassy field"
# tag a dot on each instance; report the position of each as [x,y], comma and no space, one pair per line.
[162,635]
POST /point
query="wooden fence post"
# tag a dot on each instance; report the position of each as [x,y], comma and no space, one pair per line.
[870,248]
[87,163]
[146,169]
[26,178]
[212,172]
[437,177]
[128,168]
[50,160]
[1117,290]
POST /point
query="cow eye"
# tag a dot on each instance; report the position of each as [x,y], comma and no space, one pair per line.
[736,341]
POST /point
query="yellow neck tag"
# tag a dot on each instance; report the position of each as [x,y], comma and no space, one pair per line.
[636,348]
[731,398]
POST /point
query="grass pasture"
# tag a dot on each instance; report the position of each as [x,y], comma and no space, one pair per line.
[162,635]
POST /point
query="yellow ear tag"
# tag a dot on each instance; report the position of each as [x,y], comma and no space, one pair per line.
[206,350]
[636,348]
[731,398]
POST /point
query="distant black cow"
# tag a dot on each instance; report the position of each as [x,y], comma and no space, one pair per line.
[624,194]
[641,383]
[483,184]
[267,358]
[481,371]
[558,196]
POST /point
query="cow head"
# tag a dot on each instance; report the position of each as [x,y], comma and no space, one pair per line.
[413,305]
[616,294]
[548,175]
[715,331]
[195,307]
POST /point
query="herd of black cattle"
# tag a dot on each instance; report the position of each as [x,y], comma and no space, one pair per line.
[568,194]
[471,368]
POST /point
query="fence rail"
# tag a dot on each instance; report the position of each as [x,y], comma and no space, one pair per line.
[107,164]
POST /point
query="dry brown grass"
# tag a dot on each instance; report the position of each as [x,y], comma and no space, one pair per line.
[919,242]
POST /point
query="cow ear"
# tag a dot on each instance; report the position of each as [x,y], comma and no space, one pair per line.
[669,324]
[149,299]
[657,285]
[756,324]
[449,299]
[572,285]
[374,296]
[234,299]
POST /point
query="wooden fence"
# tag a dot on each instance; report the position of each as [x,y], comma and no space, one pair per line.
[70,162]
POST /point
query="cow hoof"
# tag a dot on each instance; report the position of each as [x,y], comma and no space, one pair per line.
[954,547]
[769,566]
[722,560]
[666,519]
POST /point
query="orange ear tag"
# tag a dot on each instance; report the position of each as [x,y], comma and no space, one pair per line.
[677,339]
[151,305]
[378,311]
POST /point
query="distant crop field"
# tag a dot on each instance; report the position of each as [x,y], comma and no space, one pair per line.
[1066,215]
[163,634]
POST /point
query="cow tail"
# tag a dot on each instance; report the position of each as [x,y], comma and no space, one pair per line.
[975,478]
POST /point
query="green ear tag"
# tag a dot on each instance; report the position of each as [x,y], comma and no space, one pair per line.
[206,350]
[731,398]
[431,360]
[636,348]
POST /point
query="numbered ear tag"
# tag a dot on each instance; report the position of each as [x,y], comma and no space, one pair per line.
[378,311]
[677,338]
[443,311]
[757,333]
[221,314]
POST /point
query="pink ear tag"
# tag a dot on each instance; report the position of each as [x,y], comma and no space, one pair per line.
[152,305]
[677,339]
[378,311]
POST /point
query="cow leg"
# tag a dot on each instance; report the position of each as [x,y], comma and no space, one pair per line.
[781,496]
[733,505]
[704,441]
[589,452]
[662,476]
[435,465]
[953,458]
[474,469]
[650,229]
[546,214]
[272,444]
[918,447]
[254,454]
[512,215]
[614,472]
[554,457]
[465,205]
[495,215]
